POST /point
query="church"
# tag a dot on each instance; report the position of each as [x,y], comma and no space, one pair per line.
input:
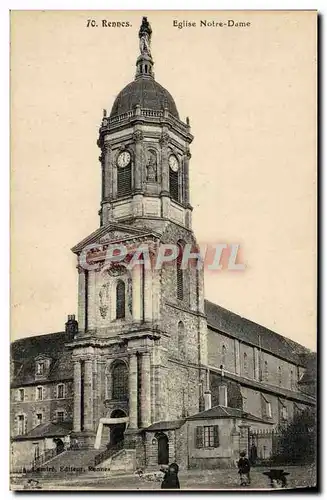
[150,372]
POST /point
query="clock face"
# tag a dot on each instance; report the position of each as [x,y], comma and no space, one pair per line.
[173,163]
[123,159]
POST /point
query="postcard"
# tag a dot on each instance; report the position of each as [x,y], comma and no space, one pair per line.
[163,250]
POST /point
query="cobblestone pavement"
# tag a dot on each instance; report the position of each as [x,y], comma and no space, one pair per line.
[300,476]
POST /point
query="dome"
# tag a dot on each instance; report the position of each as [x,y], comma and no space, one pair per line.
[146,92]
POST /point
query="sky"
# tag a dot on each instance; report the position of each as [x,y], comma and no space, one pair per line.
[250,94]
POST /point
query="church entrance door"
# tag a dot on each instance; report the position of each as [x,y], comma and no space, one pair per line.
[163,449]
[117,430]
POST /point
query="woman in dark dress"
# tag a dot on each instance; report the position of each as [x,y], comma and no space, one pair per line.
[170,480]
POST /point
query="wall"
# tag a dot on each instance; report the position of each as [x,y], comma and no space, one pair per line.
[211,457]
[48,406]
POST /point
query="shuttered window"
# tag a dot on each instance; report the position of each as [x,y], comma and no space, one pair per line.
[199,431]
[124,181]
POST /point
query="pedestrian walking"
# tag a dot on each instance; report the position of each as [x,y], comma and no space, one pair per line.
[170,480]
[244,468]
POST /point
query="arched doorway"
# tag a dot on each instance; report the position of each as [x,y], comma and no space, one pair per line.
[163,449]
[60,447]
[117,430]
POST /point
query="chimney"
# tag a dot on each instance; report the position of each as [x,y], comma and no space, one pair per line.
[207,400]
[71,326]
[207,393]
[222,395]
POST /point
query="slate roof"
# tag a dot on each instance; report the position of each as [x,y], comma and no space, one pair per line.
[48,429]
[25,351]
[226,412]
[166,425]
[249,332]
[146,92]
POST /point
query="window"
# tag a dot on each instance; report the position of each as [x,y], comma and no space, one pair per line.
[60,416]
[39,393]
[173,184]
[22,425]
[181,340]
[119,381]
[124,180]
[120,300]
[40,368]
[266,373]
[180,273]
[284,413]
[266,407]
[245,363]
[39,418]
[223,355]
[207,436]
[60,391]
[21,395]
[279,376]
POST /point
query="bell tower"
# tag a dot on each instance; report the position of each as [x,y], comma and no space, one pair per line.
[141,342]
[145,150]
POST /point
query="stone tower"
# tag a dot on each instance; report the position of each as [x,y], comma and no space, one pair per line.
[141,342]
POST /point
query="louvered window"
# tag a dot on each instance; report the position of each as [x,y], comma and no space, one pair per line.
[124,181]
[173,185]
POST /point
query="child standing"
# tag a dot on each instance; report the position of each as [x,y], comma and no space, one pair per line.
[244,469]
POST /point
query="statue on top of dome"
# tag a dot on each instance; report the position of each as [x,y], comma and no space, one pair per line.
[145,37]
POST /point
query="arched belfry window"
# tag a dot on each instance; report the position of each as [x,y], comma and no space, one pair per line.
[120,300]
[119,381]
[174,167]
[124,173]
[180,272]
[181,340]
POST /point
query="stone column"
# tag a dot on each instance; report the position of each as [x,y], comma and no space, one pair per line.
[164,141]
[237,357]
[81,299]
[77,396]
[92,275]
[187,158]
[147,294]
[145,390]
[137,306]
[88,395]
[138,138]
[107,171]
[97,443]
[132,380]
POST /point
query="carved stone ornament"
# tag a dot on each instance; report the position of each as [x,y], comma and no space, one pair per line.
[104,300]
[138,136]
[164,139]
[188,154]
[116,270]
[107,146]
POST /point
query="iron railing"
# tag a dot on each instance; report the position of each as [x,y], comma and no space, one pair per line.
[109,452]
